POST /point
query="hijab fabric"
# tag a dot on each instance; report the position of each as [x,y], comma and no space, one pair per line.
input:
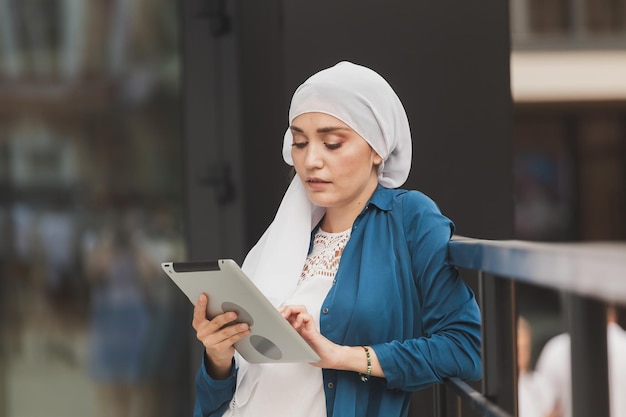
[363,100]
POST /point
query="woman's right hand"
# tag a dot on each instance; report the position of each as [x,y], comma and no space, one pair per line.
[217,338]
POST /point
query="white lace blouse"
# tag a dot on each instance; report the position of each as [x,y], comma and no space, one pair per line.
[286,389]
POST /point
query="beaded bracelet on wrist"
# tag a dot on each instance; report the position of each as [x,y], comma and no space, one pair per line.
[366,376]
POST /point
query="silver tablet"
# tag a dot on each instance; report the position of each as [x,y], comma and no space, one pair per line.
[271,339]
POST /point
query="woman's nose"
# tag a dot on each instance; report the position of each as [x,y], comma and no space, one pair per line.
[313,156]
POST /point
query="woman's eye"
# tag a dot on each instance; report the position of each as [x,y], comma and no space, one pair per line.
[332,146]
[299,145]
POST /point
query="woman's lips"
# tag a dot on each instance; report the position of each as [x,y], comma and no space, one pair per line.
[316,183]
[315,179]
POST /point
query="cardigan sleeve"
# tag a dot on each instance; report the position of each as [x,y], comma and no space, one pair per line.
[450,318]
[212,395]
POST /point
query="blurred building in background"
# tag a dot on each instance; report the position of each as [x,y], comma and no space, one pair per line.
[568,68]
[90,204]
[568,82]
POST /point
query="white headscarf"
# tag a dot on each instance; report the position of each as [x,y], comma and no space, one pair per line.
[363,100]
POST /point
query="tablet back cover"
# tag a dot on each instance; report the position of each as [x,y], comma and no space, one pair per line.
[271,339]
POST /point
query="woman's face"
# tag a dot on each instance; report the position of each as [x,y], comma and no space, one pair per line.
[335,164]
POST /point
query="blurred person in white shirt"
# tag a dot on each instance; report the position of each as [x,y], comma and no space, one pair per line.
[535,395]
[555,364]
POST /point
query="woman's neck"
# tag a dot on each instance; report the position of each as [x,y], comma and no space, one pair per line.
[336,224]
[339,219]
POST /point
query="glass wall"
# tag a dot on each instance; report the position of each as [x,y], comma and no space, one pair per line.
[90,204]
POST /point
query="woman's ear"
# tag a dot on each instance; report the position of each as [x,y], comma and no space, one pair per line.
[377,158]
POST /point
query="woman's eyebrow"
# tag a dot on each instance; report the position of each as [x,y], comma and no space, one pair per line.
[331,129]
[321,129]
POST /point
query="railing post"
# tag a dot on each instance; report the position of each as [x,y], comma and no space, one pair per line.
[439,400]
[589,357]
[499,346]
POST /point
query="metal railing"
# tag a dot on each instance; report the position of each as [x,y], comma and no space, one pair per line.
[589,275]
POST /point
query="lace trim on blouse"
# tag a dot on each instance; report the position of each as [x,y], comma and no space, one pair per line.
[323,261]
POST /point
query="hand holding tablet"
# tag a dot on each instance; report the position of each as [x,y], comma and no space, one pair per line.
[271,339]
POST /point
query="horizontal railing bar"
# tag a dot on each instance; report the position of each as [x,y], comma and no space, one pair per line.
[476,400]
[595,270]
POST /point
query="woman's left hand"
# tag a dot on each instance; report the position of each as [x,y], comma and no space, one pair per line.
[305,325]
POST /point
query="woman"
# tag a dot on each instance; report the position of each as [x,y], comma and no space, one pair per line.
[359,268]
